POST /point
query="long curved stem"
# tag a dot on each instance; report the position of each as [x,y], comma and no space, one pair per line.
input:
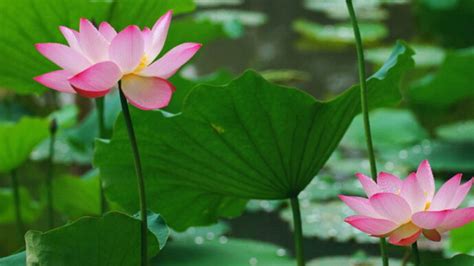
[298,231]
[365,109]
[416,253]
[99,103]
[138,171]
[16,200]
[49,176]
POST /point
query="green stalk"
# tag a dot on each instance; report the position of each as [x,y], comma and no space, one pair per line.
[49,177]
[99,103]
[16,200]
[365,110]
[139,174]
[416,253]
[298,231]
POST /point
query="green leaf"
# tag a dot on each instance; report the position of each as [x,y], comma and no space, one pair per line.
[457,132]
[458,260]
[425,55]
[113,239]
[18,259]
[39,23]
[249,139]
[157,225]
[185,85]
[391,128]
[75,196]
[17,140]
[366,10]
[30,209]
[460,239]
[454,81]
[340,33]
[246,18]
[231,252]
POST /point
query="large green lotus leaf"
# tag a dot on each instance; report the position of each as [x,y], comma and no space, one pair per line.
[18,259]
[222,251]
[75,196]
[113,239]
[17,140]
[460,239]
[454,81]
[39,23]
[249,139]
[30,209]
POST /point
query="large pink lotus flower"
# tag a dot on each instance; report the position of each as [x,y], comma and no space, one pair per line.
[403,209]
[96,59]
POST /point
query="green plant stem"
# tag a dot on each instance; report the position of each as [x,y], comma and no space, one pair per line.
[16,200]
[416,254]
[365,109]
[298,231]
[50,173]
[138,171]
[99,103]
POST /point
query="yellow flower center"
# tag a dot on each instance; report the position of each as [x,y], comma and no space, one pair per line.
[143,63]
[427,206]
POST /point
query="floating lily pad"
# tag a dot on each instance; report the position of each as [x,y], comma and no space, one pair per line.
[425,55]
[212,3]
[222,251]
[366,10]
[326,221]
[246,18]
[457,132]
[339,34]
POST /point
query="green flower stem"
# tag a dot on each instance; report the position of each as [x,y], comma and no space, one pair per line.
[49,177]
[138,171]
[16,199]
[365,109]
[99,103]
[298,231]
[416,253]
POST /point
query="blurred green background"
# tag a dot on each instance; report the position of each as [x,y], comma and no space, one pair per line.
[306,44]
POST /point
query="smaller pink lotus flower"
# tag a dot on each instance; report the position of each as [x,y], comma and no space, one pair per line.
[403,209]
[96,59]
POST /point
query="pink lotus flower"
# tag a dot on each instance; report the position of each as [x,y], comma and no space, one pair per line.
[403,209]
[96,59]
